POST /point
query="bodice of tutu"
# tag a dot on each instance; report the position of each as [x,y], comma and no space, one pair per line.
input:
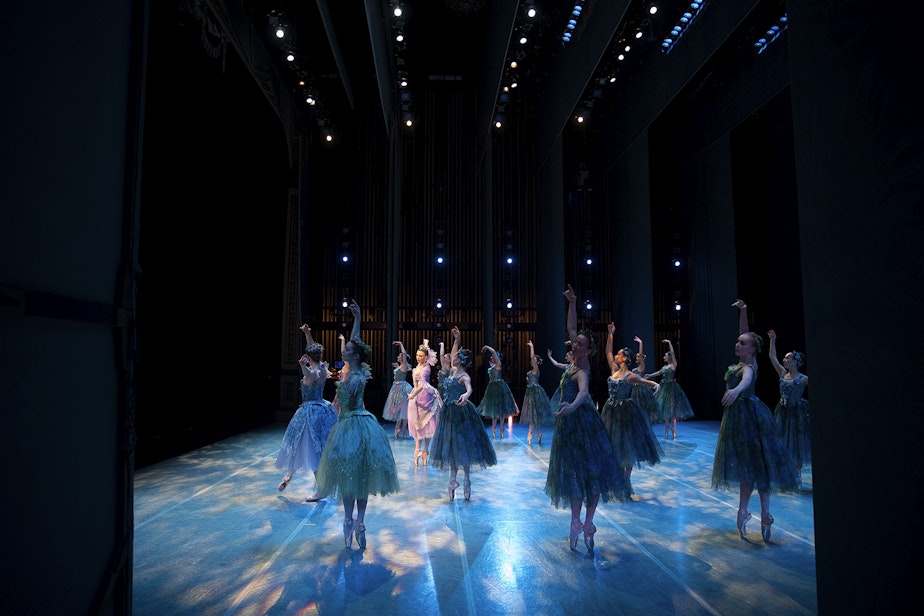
[494,374]
[619,389]
[454,387]
[667,374]
[314,391]
[733,376]
[532,378]
[569,386]
[350,391]
[399,375]
[791,390]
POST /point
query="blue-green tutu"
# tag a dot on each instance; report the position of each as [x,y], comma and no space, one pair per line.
[750,448]
[792,416]
[357,460]
[672,400]
[460,440]
[582,461]
[628,426]
[537,408]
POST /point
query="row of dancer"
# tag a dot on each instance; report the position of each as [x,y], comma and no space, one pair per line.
[585,465]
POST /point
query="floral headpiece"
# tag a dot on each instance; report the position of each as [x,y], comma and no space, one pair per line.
[431,354]
[365,347]
[314,348]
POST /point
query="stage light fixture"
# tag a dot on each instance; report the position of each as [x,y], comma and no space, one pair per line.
[509,260]
[439,304]
[589,261]
[439,260]
[290,56]
[676,262]
[509,304]
[588,305]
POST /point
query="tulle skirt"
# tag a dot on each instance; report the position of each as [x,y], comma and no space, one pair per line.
[396,401]
[357,460]
[305,436]
[645,398]
[673,402]
[582,461]
[498,401]
[537,408]
[793,420]
[460,440]
[630,432]
[750,450]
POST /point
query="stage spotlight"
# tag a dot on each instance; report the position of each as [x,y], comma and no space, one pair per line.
[589,261]
[509,260]
[439,304]
[677,306]
[344,303]
[676,262]
[588,305]
[345,258]
[509,304]
[439,260]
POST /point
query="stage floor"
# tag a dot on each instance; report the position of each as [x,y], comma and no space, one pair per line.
[214,536]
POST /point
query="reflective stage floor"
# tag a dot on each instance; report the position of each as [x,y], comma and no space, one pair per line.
[213,536]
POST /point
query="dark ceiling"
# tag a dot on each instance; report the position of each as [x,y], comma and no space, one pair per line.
[446,44]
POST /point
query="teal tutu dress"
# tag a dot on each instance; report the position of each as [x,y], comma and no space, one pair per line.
[396,400]
[750,448]
[460,440]
[646,399]
[582,461]
[671,399]
[357,460]
[628,426]
[792,416]
[537,408]
[498,400]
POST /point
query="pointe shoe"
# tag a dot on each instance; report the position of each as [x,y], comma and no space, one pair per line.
[576,527]
[765,522]
[529,439]
[348,533]
[743,518]
[361,535]
[467,490]
[417,455]
[453,484]
[426,456]
[589,530]
[494,432]
[539,441]
[284,483]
